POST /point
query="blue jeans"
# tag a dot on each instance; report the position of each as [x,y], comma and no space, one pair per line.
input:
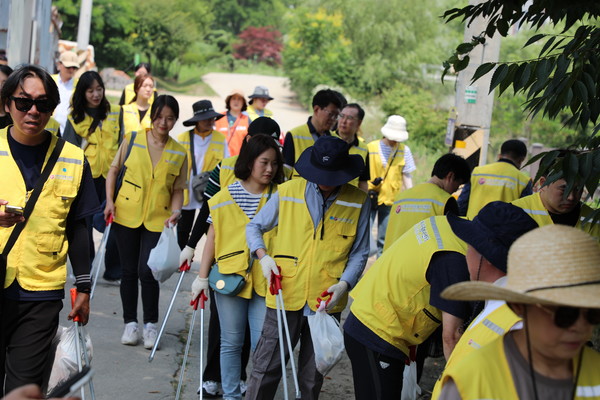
[234,313]
[383,215]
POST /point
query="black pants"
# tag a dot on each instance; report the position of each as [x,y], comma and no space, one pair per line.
[134,248]
[27,330]
[184,227]
[376,377]
[212,371]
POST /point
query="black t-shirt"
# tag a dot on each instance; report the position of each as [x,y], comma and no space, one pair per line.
[30,160]
[447,268]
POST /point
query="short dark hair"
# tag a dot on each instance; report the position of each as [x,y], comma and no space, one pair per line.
[138,82]
[162,101]
[79,102]
[452,163]
[144,65]
[361,112]
[325,97]
[514,148]
[25,71]
[254,147]
[228,101]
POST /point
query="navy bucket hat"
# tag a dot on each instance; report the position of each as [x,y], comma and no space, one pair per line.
[493,230]
[328,162]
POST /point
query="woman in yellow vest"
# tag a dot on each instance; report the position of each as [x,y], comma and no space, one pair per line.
[553,283]
[128,94]
[258,169]
[136,115]
[150,198]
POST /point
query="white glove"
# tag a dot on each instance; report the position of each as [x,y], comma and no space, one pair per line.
[268,265]
[337,291]
[186,255]
[199,285]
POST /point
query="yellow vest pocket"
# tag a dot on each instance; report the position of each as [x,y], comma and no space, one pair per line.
[288,265]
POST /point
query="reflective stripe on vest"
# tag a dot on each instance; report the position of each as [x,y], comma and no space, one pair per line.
[227,174]
[309,264]
[400,313]
[131,119]
[392,184]
[38,258]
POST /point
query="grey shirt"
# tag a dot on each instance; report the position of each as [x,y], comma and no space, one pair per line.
[548,388]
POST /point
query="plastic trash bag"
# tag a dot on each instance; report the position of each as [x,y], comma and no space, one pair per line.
[164,258]
[327,339]
[410,388]
[65,359]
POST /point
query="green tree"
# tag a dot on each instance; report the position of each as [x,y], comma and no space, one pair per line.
[316,52]
[563,78]
[236,15]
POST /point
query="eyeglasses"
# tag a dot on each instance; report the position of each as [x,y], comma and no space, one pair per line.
[24,104]
[332,115]
[565,317]
[348,117]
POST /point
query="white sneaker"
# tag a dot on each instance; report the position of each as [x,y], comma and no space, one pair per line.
[243,387]
[211,389]
[150,335]
[130,334]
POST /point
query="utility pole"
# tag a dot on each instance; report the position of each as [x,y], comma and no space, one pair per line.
[85,22]
[473,103]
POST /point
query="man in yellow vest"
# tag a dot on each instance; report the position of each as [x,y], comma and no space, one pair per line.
[433,197]
[487,262]
[67,66]
[322,245]
[550,206]
[326,106]
[391,164]
[499,181]
[397,304]
[205,148]
[258,103]
[34,272]
[349,122]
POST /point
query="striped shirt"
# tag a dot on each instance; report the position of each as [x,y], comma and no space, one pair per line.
[385,152]
[247,201]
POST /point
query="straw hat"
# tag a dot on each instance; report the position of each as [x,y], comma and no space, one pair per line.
[554,264]
[395,129]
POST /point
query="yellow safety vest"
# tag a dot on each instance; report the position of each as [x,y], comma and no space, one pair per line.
[53,126]
[214,155]
[252,114]
[392,298]
[145,195]
[131,119]
[360,149]
[231,251]
[302,139]
[392,183]
[38,260]
[500,181]
[130,94]
[226,173]
[494,325]
[414,205]
[103,143]
[485,374]
[309,264]
[533,206]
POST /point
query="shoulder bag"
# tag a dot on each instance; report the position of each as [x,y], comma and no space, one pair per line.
[199,180]
[373,194]
[123,169]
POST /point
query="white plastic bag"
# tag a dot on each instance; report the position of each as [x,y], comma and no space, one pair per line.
[410,388]
[327,339]
[65,359]
[164,258]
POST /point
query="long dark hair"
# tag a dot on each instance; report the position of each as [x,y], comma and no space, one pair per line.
[78,102]
[16,79]
[257,145]
[137,84]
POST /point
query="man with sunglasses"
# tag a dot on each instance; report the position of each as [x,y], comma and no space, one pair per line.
[349,121]
[33,273]
[326,104]
[67,66]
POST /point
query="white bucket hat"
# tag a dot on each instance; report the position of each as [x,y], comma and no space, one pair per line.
[395,129]
[554,264]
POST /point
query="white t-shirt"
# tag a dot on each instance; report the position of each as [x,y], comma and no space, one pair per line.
[65,89]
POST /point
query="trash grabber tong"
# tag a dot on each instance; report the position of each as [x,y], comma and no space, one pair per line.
[100,256]
[275,289]
[203,299]
[193,303]
[183,269]
[80,345]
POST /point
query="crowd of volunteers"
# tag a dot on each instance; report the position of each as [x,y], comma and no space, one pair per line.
[499,274]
